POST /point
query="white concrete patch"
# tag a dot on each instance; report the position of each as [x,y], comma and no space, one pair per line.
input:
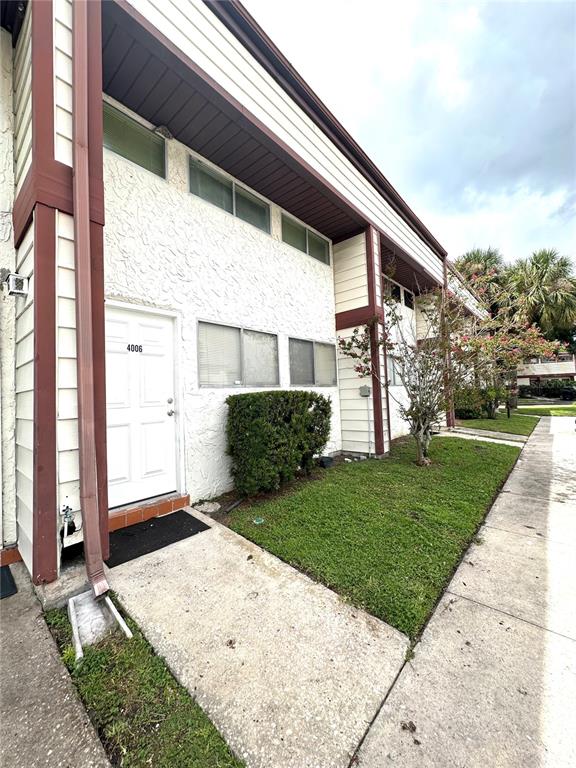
[289,673]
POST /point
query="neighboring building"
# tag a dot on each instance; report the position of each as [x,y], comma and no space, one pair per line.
[227,233]
[538,370]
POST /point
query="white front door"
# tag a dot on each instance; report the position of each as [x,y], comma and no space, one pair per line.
[140,406]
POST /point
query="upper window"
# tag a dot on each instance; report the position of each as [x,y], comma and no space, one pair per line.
[304,239]
[226,194]
[233,357]
[399,294]
[408,299]
[131,140]
[312,364]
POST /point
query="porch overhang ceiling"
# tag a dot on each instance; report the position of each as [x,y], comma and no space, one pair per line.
[150,77]
[399,266]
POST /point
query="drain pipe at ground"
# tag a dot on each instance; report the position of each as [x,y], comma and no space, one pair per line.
[85,360]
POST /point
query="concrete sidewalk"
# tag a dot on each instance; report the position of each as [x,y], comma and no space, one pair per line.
[493,680]
[43,724]
[289,673]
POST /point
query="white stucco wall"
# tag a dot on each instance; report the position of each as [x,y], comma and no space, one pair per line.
[7,316]
[168,249]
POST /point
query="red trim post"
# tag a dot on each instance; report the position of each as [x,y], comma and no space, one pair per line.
[374,345]
[84,319]
[45,499]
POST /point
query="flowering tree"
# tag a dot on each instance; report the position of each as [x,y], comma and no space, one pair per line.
[456,349]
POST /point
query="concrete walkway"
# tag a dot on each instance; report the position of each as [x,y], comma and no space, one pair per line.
[43,724]
[289,673]
[493,680]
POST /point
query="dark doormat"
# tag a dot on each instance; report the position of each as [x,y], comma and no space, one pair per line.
[141,539]
[7,583]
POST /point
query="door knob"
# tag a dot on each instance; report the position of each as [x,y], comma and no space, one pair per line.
[170,412]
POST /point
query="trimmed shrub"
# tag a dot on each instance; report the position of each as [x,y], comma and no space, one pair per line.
[271,435]
[468,403]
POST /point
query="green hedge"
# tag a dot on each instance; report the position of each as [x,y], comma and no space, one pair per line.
[273,434]
[468,403]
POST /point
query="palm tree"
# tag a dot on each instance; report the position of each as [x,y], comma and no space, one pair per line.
[480,261]
[545,288]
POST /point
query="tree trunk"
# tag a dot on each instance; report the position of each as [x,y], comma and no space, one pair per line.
[423,436]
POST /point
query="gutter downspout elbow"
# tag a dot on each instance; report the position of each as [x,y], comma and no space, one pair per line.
[89,501]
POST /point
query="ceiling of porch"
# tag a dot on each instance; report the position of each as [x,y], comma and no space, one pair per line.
[144,75]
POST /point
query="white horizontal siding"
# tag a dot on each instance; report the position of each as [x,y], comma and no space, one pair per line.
[62,42]
[22,101]
[195,30]
[350,274]
[67,395]
[25,400]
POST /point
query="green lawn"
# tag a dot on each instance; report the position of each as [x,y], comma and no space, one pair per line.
[387,535]
[142,715]
[550,410]
[517,424]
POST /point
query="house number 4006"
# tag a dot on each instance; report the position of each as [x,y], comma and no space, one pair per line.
[134,347]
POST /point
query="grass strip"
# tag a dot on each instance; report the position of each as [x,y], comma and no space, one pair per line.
[143,716]
[387,535]
[549,410]
[517,424]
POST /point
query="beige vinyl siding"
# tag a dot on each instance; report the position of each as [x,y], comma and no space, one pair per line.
[62,10]
[23,101]
[67,398]
[350,274]
[193,28]
[356,412]
[24,306]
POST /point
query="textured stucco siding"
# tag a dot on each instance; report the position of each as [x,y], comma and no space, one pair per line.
[22,100]
[195,30]
[168,249]
[7,316]
[25,399]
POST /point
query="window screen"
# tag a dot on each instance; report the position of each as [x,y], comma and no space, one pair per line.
[260,351]
[393,375]
[318,248]
[210,186]
[293,233]
[395,292]
[219,359]
[408,299]
[301,362]
[325,365]
[253,210]
[133,141]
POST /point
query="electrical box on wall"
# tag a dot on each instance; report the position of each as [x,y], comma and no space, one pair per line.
[364,391]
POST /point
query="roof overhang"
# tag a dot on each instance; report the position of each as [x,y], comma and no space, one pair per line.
[148,74]
[233,14]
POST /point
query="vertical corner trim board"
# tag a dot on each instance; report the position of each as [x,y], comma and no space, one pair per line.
[44,560]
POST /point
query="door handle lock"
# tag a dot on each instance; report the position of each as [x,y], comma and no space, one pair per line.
[170,412]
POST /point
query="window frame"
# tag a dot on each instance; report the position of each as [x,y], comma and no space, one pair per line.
[314,342]
[243,385]
[150,127]
[216,172]
[307,230]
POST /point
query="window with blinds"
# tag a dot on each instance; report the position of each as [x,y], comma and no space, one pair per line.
[133,141]
[312,364]
[234,357]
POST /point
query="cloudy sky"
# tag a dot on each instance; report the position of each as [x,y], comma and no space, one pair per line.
[469,109]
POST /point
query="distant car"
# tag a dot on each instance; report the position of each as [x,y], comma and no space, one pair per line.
[568,393]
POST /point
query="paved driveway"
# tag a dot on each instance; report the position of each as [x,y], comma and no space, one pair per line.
[493,681]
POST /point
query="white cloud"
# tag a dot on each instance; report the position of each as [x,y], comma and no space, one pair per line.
[467,107]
